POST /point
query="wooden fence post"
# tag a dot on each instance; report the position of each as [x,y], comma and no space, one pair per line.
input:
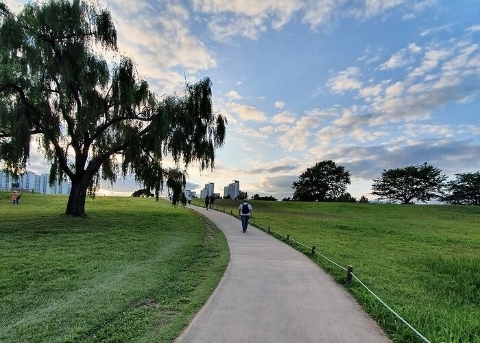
[313,250]
[288,237]
[349,274]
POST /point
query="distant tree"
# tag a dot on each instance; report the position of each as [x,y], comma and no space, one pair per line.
[323,182]
[142,192]
[266,198]
[227,196]
[286,199]
[465,190]
[363,200]
[422,182]
[255,197]
[346,197]
[242,195]
[93,119]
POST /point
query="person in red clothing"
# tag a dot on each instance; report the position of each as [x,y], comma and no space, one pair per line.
[15,197]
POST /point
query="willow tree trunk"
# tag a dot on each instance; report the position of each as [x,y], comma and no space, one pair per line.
[77,197]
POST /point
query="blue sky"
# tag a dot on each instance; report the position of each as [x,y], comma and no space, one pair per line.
[369,84]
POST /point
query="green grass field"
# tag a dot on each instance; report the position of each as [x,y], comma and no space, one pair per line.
[423,261]
[135,270]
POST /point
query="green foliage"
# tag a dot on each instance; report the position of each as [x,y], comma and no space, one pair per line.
[422,182]
[363,199]
[323,182]
[465,190]
[242,195]
[125,274]
[346,197]
[266,198]
[422,261]
[142,192]
[94,120]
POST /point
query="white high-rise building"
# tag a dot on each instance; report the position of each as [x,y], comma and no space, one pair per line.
[209,190]
[232,190]
[30,181]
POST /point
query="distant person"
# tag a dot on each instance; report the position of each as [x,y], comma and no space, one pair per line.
[212,200]
[245,213]
[207,201]
[15,198]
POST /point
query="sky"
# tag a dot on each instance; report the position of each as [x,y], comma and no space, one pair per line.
[369,84]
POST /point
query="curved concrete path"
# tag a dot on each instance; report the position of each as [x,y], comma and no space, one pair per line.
[272,293]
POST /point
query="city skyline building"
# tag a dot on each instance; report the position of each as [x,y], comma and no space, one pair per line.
[30,181]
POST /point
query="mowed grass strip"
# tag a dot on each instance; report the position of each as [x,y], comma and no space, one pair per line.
[135,270]
[423,261]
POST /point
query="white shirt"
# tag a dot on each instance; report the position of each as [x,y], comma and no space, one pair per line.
[249,209]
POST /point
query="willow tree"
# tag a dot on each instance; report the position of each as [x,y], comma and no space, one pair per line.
[93,119]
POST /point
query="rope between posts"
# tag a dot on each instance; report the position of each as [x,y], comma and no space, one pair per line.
[325,257]
[368,289]
[391,310]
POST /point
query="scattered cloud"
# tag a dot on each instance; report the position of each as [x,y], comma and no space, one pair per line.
[246,113]
[346,80]
[283,118]
[475,28]
[234,95]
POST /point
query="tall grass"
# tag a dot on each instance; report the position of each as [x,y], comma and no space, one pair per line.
[423,261]
[135,270]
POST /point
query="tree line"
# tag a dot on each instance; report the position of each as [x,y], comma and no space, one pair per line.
[327,181]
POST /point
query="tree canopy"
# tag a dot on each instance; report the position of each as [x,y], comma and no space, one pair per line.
[325,181]
[422,182]
[94,119]
[464,190]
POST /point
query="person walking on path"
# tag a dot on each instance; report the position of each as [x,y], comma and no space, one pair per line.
[207,201]
[212,200]
[245,213]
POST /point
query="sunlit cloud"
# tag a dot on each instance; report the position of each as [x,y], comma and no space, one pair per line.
[346,80]
[246,113]
[284,117]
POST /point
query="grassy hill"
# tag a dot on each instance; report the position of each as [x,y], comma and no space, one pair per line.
[422,260]
[135,270]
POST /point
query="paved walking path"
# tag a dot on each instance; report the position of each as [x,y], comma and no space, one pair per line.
[272,293]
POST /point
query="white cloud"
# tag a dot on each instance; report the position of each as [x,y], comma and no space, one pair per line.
[413,48]
[230,18]
[233,95]
[297,136]
[369,92]
[284,117]
[475,28]
[247,113]
[345,80]
[160,43]
[397,60]
[394,90]
[431,60]
[279,104]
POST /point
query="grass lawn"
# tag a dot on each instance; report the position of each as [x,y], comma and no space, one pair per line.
[423,261]
[135,270]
